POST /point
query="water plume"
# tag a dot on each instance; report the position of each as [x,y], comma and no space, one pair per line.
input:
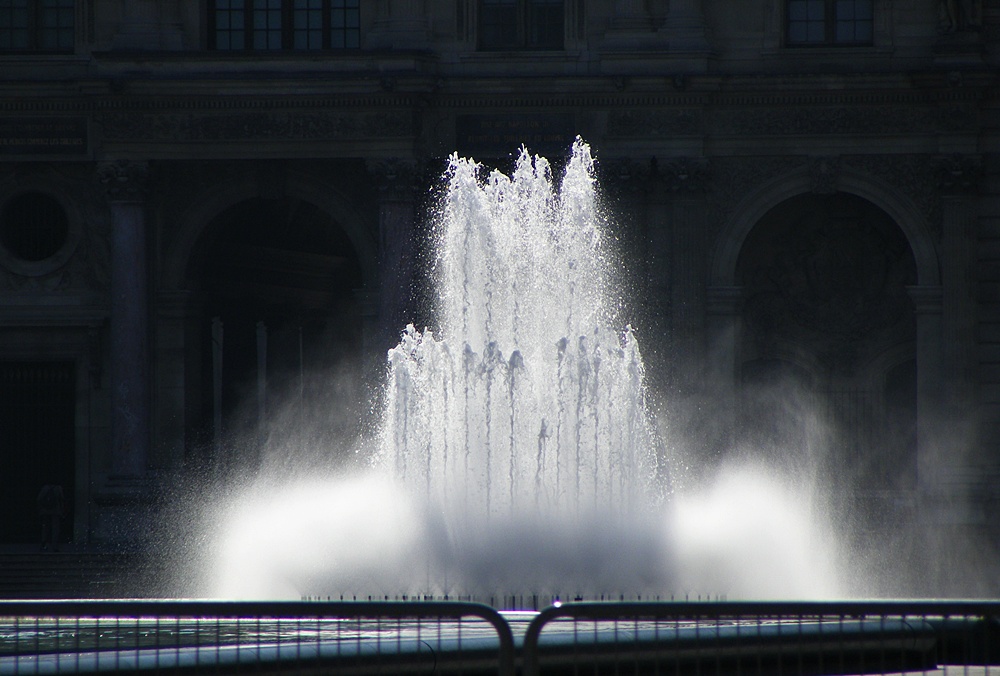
[517,453]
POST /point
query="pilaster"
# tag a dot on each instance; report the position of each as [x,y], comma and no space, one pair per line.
[125,184]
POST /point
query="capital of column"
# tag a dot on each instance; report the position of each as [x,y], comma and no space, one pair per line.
[723,300]
[927,300]
[124,181]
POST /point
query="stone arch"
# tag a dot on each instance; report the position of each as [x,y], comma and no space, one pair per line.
[201,222]
[749,211]
[205,208]
[827,276]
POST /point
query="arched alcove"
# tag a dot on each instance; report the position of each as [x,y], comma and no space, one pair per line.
[753,207]
[824,282]
[280,332]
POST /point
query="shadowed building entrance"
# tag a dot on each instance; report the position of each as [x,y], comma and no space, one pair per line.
[829,340]
[281,334]
[37,444]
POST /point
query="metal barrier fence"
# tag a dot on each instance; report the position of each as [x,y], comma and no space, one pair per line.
[764,638]
[47,637]
[311,637]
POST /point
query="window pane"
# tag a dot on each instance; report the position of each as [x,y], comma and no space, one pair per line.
[267,24]
[863,31]
[806,21]
[797,32]
[854,21]
[229,24]
[345,24]
[55,30]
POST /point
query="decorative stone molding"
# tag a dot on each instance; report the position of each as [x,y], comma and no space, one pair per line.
[825,172]
[910,175]
[733,178]
[124,180]
[82,263]
[684,174]
[263,125]
[656,123]
[826,120]
[627,174]
[397,179]
[959,173]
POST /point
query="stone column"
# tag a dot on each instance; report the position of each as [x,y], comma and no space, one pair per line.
[723,333]
[958,180]
[932,459]
[684,180]
[398,245]
[685,27]
[170,379]
[125,183]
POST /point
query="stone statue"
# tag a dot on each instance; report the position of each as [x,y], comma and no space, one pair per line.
[960,15]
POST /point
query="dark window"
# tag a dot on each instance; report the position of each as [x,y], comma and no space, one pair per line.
[33,227]
[37,25]
[829,22]
[268,25]
[520,24]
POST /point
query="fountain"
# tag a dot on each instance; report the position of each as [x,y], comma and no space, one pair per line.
[518,454]
[529,402]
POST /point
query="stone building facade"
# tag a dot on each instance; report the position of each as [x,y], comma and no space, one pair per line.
[195,193]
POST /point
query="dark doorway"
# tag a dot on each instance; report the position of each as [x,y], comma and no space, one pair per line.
[279,286]
[37,444]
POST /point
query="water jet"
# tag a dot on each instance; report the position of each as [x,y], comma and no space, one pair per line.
[517,451]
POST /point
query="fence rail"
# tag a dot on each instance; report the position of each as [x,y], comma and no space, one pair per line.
[43,637]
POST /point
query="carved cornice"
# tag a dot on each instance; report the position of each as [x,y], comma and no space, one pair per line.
[685,174]
[823,120]
[666,123]
[258,125]
[124,180]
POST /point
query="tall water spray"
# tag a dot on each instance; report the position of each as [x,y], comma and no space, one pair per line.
[517,453]
[526,401]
